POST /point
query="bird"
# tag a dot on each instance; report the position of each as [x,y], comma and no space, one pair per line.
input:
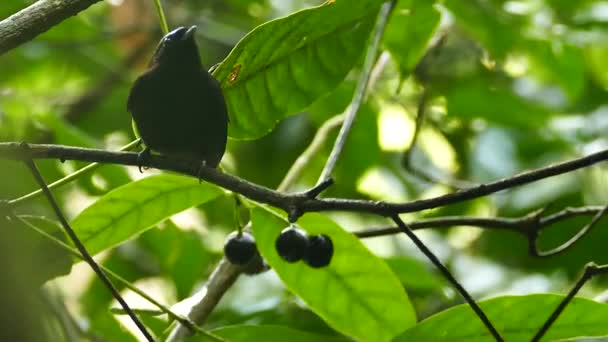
[177,107]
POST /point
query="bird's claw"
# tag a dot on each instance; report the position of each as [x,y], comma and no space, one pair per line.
[143,159]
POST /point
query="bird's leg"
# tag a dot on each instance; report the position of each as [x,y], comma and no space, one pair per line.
[143,159]
[200,170]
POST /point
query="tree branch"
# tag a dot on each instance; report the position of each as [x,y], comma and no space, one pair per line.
[222,278]
[13,151]
[514,224]
[36,19]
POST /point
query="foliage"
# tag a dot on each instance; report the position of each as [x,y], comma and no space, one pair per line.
[506,87]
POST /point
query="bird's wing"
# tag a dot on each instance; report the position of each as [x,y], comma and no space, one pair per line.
[137,89]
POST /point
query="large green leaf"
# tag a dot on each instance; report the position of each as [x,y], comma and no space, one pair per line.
[411,27]
[517,318]
[281,67]
[131,209]
[266,333]
[357,294]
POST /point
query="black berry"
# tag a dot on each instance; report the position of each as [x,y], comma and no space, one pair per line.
[292,244]
[320,251]
[240,249]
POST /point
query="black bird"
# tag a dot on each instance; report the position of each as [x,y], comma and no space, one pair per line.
[177,106]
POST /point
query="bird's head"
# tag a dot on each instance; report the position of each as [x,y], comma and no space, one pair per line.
[178,48]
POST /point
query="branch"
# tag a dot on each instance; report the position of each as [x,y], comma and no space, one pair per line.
[591,270]
[535,231]
[83,251]
[514,224]
[448,275]
[222,278]
[354,106]
[261,194]
[530,226]
[36,19]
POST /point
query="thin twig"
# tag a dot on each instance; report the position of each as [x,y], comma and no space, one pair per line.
[514,224]
[448,275]
[353,108]
[83,251]
[591,270]
[533,237]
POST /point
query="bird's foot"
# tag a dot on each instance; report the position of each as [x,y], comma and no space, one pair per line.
[143,159]
[199,173]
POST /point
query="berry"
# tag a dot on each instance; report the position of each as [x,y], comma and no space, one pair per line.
[239,249]
[292,244]
[320,251]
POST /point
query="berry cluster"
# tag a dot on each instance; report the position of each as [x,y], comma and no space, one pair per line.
[294,244]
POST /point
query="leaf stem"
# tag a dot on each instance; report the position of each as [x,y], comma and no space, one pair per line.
[353,108]
[161,17]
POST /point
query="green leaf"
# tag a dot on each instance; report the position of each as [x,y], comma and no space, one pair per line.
[266,333]
[410,28]
[413,274]
[517,318]
[131,209]
[282,66]
[357,294]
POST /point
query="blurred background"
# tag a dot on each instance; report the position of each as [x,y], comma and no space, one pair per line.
[506,86]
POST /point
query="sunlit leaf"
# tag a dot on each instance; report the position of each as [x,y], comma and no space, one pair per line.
[137,206]
[517,318]
[357,294]
[281,67]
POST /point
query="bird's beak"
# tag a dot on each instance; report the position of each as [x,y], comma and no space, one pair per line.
[190,33]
